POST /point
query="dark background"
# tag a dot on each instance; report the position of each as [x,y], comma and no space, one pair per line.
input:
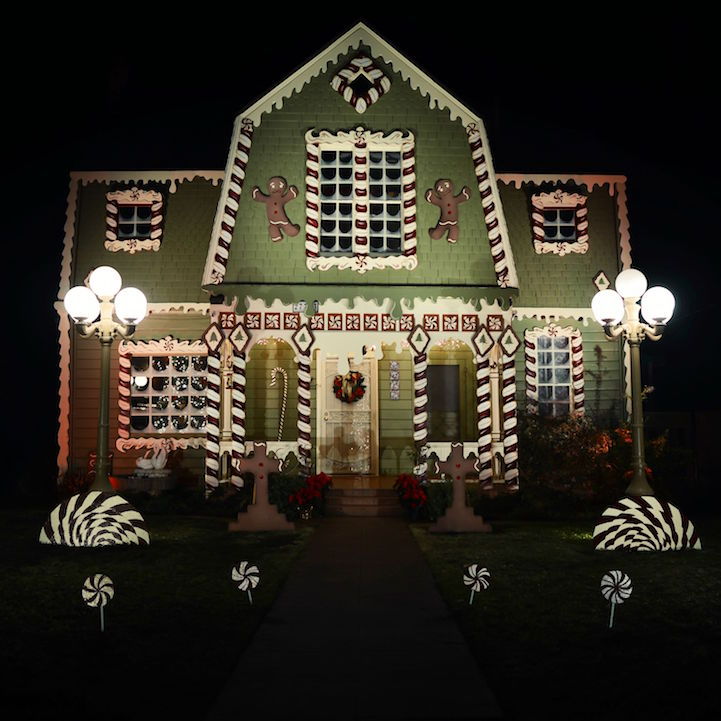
[559,92]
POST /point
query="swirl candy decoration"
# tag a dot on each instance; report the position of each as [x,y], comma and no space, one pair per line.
[477,578]
[238,412]
[273,377]
[97,591]
[644,523]
[615,587]
[249,577]
[483,411]
[95,518]
[212,431]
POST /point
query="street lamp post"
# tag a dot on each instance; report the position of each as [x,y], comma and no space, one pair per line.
[619,313]
[92,310]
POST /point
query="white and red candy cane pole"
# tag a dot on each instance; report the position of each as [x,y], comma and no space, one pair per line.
[490,215]
[124,394]
[238,417]
[579,397]
[304,444]
[312,201]
[409,199]
[483,409]
[232,200]
[510,421]
[212,430]
[420,409]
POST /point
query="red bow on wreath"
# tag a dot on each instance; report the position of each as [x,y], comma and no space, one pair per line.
[350,387]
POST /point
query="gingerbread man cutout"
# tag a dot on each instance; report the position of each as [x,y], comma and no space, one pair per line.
[279,194]
[442,196]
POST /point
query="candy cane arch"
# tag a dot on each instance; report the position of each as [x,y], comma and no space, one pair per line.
[490,213]
[273,376]
[223,230]
[212,432]
[483,409]
[238,416]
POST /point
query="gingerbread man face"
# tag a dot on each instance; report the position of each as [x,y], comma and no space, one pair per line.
[277,185]
[444,187]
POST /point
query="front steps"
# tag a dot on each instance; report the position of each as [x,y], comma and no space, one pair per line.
[362,502]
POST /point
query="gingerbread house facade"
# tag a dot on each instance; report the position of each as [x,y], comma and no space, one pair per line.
[358,287]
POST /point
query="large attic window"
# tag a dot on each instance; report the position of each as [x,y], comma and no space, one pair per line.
[361,200]
[133,220]
[560,223]
[361,83]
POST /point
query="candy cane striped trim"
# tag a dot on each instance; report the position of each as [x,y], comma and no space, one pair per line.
[530,345]
[133,196]
[510,421]
[410,240]
[361,191]
[124,395]
[559,200]
[238,417]
[304,444]
[346,75]
[212,432]
[420,406]
[495,225]
[483,409]
[224,225]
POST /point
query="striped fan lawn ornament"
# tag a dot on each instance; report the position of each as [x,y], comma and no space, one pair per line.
[616,588]
[95,518]
[644,523]
[249,577]
[477,578]
[97,591]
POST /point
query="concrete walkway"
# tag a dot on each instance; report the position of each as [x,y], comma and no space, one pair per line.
[358,632]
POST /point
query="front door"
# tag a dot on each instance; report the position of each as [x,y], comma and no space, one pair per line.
[347,432]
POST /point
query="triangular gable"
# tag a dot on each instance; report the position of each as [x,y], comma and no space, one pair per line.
[247,121]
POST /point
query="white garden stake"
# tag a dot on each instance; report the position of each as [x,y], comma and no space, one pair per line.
[477,578]
[249,577]
[616,587]
[97,591]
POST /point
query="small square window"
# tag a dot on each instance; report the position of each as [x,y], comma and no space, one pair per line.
[559,223]
[134,220]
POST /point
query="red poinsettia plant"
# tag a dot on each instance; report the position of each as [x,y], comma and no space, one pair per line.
[350,387]
[312,492]
[409,490]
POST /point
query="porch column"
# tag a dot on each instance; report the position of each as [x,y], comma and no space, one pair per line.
[483,409]
[510,418]
[420,410]
[238,416]
[303,340]
[212,429]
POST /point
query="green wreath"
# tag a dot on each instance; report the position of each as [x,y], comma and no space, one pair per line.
[349,388]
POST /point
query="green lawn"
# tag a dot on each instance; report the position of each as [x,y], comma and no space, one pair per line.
[540,631]
[174,630]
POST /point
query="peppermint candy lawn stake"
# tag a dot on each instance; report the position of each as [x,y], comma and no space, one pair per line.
[249,577]
[616,587]
[476,578]
[97,591]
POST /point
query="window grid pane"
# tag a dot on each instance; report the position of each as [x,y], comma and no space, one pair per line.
[554,376]
[559,225]
[167,394]
[386,196]
[134,221]
[336,193]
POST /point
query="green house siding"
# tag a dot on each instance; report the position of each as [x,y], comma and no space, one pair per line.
[279,148]
[602,366]
[555,281]
[173,273]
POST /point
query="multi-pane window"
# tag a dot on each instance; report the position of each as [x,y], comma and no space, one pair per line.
[336,192]
[554,375]
[134,221]
[167,394]
[385,201]
[559,225]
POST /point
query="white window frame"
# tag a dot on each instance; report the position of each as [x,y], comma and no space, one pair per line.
[361,143]
[559,200]
[576,382]
[134,197]
[128,437]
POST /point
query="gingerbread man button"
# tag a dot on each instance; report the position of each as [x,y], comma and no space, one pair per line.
[279,194]
[442,197]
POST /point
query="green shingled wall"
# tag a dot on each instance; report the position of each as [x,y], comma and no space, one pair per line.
[173,273]
[603,374]
[550,280]
[278,148]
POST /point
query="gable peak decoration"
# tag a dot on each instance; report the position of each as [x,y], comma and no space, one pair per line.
[361,83]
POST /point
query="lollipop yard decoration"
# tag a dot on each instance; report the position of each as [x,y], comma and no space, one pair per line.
[616,587]
[97,591]
[248,576]
[477,578]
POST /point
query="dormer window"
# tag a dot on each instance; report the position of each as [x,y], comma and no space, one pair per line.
[560,223]
[361,200]
[133,220]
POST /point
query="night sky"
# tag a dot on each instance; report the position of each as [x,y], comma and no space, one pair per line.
[600,94]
